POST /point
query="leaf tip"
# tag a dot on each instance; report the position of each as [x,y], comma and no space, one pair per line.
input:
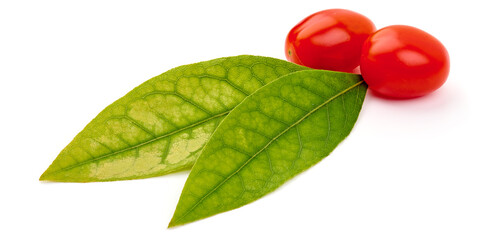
[175,222]
[47,176]
[171,224]
[43,177]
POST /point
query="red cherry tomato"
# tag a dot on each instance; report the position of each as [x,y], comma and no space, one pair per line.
[331,39]
[404,62]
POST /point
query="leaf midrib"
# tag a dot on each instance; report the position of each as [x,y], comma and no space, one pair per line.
[262,149]
[138,145]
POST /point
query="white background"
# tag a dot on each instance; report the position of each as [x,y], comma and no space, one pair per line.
[413,169]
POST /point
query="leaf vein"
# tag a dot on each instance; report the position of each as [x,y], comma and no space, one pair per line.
[186,99]
[220,79]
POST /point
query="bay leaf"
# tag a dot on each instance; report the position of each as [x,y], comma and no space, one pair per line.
[277,132]
[162,125]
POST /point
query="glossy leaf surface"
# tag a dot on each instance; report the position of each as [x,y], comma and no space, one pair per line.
[274,134]
[162,125]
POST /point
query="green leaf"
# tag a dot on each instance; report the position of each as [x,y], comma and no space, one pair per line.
[162,125]
[279,131]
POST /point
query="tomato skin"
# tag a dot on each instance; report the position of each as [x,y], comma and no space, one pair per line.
[331,39]
[401,61]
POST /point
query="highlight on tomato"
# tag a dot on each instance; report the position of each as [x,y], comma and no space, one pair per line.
[331,39]
[401,61]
